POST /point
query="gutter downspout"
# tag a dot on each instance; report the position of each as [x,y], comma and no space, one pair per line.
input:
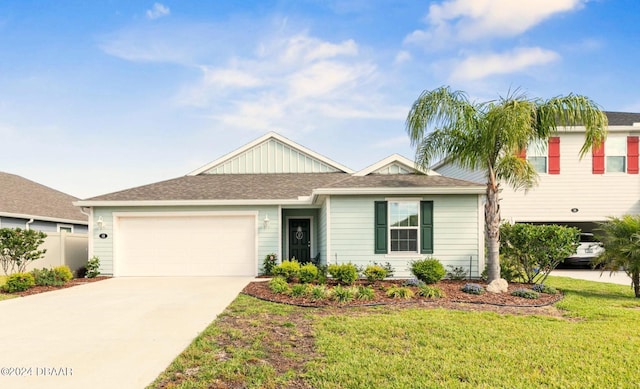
[26,226]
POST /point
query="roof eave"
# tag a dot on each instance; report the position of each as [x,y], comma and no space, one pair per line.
[399,191]
[158,203]
[43,218]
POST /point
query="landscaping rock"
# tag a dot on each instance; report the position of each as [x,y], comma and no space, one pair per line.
[498,286]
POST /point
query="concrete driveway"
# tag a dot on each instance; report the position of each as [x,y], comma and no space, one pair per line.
[120,332]
[619,277]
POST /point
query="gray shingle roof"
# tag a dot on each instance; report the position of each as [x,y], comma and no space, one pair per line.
[25,197]
[401,181]
[622,118]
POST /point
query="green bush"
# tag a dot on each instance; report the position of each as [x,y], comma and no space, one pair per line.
[93,267]
[456,273]
[47,277]
[287,269]
[386,266]
[472,289]
[428,270]
[299,290]
[270,261]
[308,273]
[279,285]
[63,272]
[345,273]
[508,271]
[342,294]
[18,282]
[526,293]
[375,273]
[318,292]
[365,293]
[322,274]
[546,289]
[430,291]
[400,292]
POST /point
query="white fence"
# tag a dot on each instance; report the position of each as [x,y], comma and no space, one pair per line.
[63,248]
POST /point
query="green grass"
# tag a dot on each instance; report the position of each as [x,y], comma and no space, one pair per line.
[595,344]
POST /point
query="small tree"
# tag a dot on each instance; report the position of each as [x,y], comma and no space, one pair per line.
[535,250]
[620,238]
[19,247]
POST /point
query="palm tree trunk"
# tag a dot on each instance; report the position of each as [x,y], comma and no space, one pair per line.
[635,279]
[492,232]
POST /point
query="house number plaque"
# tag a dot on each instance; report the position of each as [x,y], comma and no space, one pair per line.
[103,236]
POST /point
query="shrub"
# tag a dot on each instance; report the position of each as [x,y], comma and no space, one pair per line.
[472,289]
[308,273]
[526,293]
[342,295]
[81,272]
[345,273]
[287,269]
[375,273]
[546,289]
[47,277]
[279,285]
[365,293]
[456,273]
[400,292]
[18,282]
[428,270]
[19,248]
[93,267]
[318,292]
[270,261]
[413,282]
[322,274]
[299,290]
[508,271]
[430,292]
[63,272]
[386,266]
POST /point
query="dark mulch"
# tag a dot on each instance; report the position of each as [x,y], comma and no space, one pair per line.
[71,283]
[454,298]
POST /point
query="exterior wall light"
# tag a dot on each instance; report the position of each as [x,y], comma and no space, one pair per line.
[265,222]
[100,223]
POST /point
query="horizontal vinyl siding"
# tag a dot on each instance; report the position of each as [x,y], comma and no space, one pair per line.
[456,235]
[103,248]
[453,171]
[596,196]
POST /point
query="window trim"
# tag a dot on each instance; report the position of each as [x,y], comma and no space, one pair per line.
[391,227]
[624,155]
[61,226]
[425,228]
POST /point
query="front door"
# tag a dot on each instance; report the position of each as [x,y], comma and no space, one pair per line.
[300,239]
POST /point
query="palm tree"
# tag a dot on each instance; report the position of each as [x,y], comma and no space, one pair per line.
[488,136]
[620,238]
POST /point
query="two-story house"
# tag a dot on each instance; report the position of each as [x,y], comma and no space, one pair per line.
[573,191]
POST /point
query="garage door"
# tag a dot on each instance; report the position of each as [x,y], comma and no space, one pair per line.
[185,246]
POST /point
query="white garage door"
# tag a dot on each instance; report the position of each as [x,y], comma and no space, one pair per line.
[185,246]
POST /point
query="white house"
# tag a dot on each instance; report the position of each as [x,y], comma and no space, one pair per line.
[573,191]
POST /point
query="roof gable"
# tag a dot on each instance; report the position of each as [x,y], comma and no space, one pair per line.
[272,153]
[394,164]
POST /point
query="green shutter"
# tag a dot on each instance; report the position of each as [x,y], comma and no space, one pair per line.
[426,227]
[380,227]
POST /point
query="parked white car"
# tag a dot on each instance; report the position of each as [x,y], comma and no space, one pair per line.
[587,250]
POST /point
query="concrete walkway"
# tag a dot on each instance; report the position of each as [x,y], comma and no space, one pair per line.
[117,333]
[619,277]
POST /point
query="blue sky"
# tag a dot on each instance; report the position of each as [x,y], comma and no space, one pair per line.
[101,96]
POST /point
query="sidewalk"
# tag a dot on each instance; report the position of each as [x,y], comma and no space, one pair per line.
[619,277]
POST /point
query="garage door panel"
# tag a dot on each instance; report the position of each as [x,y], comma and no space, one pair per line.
[186,246]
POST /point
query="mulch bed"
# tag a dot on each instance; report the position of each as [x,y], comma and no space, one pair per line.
[454,298]
[71,283]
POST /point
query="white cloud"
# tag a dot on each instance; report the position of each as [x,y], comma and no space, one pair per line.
[480,66]
[470,20]
[157,11]
[402,57]
[229,78]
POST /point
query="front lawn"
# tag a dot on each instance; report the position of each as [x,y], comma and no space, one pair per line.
[259,344]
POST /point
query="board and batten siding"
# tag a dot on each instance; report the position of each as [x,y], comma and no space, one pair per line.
[272,156]
[457,232]
[268,239]
[594,196]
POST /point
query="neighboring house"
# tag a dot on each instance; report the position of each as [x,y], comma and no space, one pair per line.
[29,205]
[276,196]
[573,191]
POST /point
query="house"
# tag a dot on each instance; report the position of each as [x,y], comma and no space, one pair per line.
[573,191]
[28,205]
[276,196]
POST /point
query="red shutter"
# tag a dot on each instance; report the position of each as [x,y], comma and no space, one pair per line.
[554,155]
[632,154]
[598,159]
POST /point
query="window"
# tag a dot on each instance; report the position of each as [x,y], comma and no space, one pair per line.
[65,227]
[403,227]
[537,156]
[615,151]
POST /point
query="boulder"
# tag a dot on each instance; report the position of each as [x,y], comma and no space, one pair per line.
[498,286]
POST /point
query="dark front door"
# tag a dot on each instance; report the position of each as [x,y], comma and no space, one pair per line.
[300,239]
